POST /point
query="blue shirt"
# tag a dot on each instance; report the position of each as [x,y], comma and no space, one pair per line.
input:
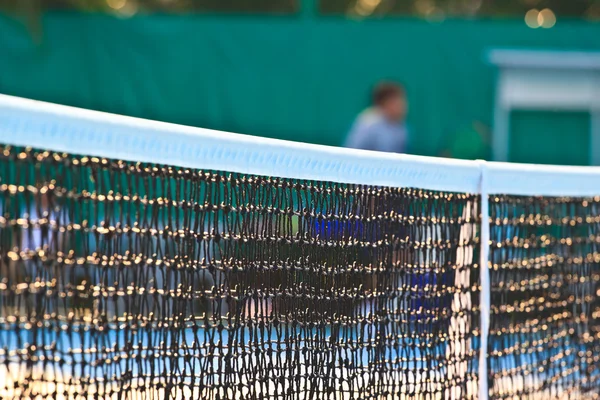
[372,131]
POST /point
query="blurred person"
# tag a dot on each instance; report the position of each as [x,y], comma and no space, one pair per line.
[382,127]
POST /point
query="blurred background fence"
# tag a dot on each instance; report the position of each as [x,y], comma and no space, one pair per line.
[298,70]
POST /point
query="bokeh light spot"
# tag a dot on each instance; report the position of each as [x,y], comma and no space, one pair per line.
[546,18]
[116,4]
[366,7]
[532,18]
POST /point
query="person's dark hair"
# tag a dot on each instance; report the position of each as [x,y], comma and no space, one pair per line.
[386,90]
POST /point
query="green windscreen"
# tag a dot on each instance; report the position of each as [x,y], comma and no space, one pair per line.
[547,137]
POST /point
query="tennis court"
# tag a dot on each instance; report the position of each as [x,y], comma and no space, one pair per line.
[144,260]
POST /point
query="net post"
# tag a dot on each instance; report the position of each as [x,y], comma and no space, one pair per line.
[484,277]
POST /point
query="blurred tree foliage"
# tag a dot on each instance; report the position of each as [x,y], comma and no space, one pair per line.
[129,6]
[473,8]
[425,8]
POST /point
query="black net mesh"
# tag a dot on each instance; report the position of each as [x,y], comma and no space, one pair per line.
[545,310]
[124,280]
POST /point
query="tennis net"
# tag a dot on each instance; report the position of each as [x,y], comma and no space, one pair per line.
[147,260]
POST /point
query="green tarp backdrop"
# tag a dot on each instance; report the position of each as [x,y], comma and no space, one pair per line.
[292,77]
